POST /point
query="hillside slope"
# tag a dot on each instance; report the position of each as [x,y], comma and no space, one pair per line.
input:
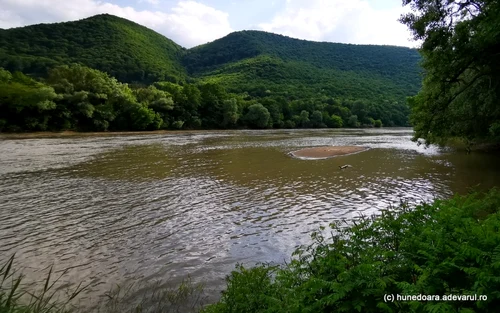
[266,59]
[122,48]
[255,62]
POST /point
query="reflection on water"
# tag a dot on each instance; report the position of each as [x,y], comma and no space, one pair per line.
[115,209]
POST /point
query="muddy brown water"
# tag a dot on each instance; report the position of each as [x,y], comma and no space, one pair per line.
[125,208]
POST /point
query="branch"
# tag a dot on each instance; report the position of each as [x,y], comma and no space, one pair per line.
[466,87]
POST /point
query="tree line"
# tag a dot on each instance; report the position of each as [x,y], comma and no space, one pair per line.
[75,97]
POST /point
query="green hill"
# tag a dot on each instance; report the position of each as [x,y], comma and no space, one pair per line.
[122,48]
[246,79]
[271,61]
[247,61]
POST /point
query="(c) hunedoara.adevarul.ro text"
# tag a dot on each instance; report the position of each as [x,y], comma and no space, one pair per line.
[398,297]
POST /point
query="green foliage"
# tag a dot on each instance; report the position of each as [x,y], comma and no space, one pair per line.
[249,290]
[121,48]
[24,102]
[230,113]
[257,116]
[273,69]
[461,57]
[353,121]
[289,124]
[449,247]
[91,100]
[333,121]
[317,119]
[76,97]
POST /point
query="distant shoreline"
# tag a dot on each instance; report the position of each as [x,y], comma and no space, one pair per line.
[35,135]
[70,133]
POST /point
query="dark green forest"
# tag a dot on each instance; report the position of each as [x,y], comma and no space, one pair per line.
[106,73]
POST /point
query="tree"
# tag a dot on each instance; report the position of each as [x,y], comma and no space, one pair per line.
[89,97]
[359,109]
[304,119]
[461,59]
[317,119]
[257,116]
[336,121]
[211,110]
[159,101]
[230,113]
[24,103]
[353,121]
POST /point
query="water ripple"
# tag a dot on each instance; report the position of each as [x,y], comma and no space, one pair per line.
[117,209]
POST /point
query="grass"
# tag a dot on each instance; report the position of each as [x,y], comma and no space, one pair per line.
[15,298]
[155,297]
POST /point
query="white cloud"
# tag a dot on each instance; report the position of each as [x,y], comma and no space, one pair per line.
[189,23]
[347,21]
[152,2]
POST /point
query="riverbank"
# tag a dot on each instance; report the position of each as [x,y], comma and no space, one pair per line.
[69,134]
[446,248]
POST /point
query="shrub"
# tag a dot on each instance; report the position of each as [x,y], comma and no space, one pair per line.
[445,248]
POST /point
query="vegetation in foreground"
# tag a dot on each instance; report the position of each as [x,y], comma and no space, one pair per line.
[151,297]
[449,247]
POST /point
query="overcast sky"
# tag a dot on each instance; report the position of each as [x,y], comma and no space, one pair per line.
[190,23]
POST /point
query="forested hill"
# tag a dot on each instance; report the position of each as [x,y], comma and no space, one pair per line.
[122,48]
[343,70]
[384,60]
[55,76]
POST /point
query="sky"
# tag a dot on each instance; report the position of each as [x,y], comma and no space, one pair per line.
[193,22]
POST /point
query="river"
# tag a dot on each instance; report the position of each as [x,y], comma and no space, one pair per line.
[116,209]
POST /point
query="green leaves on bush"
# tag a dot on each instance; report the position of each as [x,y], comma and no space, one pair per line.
[448,247]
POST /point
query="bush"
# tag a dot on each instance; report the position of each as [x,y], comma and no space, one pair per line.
[446,248]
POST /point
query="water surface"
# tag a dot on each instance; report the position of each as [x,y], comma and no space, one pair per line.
[116,209]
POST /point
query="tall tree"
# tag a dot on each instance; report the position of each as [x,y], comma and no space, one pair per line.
[257,116]
[461,50]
